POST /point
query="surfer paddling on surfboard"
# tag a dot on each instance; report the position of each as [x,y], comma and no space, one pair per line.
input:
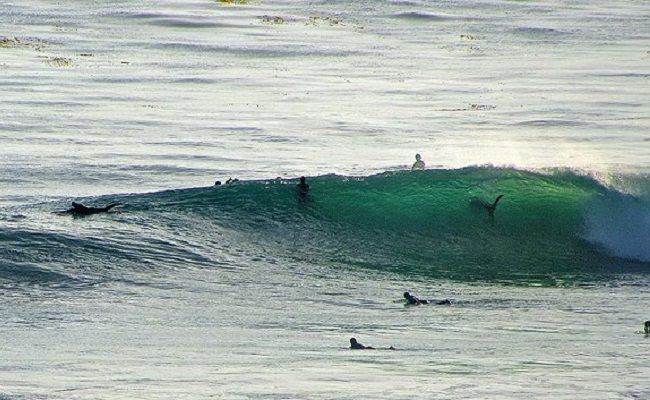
[354,345]
[80,209]
[412,300]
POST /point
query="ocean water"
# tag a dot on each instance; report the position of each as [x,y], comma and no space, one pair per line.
[246,291]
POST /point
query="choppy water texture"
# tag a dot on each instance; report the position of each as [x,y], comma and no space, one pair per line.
[247,291]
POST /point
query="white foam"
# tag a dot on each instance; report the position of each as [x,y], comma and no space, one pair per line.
[621,224]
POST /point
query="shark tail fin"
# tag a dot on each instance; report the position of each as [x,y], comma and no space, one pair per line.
[494,205]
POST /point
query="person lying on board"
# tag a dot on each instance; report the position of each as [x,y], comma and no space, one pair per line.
[80,209]
[354,345]
[413,300]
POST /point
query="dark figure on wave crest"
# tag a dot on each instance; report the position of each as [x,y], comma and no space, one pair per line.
[412,300]
[302,189]
[490,207]
[80,209]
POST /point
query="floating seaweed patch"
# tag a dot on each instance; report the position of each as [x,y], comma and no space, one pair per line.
[232,1]
[59,62]
[472,107]
[331,21]
[64,28]
[272,19]
[324,20]
[7,43]
[482,107]
[11,43]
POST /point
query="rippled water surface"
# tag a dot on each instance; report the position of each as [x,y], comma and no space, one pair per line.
[188,291]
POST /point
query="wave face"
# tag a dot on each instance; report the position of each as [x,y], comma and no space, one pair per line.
[548,227]
[433,223]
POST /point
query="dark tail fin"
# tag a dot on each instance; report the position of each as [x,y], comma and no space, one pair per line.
[494,205]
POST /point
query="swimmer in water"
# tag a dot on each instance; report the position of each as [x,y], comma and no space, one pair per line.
[354,345]
[646,327]
[80,209]
[419,163]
